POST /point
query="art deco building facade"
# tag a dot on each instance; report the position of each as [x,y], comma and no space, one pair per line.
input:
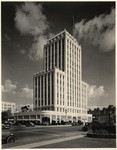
[59,92]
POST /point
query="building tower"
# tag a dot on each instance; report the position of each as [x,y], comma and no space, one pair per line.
[59,92]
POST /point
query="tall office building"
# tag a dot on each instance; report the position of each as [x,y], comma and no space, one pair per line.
[59,92]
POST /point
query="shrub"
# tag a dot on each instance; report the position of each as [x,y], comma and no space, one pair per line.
[104,128]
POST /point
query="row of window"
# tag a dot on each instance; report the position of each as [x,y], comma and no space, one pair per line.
[72,77]
[8,105]
[71,103]
[29,117]
[46,83]
[60,89]
[69,110]
[57,49]
[7,108]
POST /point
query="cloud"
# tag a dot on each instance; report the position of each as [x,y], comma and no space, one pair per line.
[95,92]
[36,51]
[26,92]
[22,51]
[9,87]
[13,93]
[100,31]
[97,96]
[30,20]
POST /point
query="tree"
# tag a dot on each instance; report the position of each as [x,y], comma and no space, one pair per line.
[26,108]
[6,115]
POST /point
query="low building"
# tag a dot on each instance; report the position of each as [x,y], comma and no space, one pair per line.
[50,116]
[8,106]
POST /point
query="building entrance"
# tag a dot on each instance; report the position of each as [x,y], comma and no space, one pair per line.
[45,120]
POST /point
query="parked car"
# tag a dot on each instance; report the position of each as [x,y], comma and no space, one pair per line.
[7,137]
[6,125]
[74,124]
[30,124]
[17,124]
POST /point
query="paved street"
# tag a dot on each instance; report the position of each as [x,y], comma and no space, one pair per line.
[55,137]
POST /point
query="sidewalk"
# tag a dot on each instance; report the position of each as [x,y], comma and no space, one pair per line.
[38,144]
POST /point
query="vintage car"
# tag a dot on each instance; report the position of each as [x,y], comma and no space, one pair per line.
[6,125]
[30,124]
[8,137]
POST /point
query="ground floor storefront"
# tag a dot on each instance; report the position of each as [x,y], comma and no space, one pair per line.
[51,117]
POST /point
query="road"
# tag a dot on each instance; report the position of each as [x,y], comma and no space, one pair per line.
[55,137]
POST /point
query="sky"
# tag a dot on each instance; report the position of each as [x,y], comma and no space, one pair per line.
[27,26]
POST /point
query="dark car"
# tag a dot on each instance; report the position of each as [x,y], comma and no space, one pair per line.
[7,137]
[30,124]
[17,124]
[74,124]
[6,126]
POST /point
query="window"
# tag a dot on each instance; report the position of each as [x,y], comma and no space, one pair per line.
[19,117]
[52,89]
[42,91]
[59,54]
[38,116]
[57,100]
[49,57]
[45,91]
[63,54]
[33,116]
[55,53]
[52,55]
[26,117]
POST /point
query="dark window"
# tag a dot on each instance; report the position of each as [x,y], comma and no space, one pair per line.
[42,91]
[49,57]
[46,59]
[45,91]
[35,102]
[63,51]
[38,102]
[52,55]
[38,91]
[38,87]
[55,53]
[48,89]
[60,54]
[35,91]
[52,89]
[35,81]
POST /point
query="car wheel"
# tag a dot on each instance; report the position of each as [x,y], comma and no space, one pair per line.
[10,140]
